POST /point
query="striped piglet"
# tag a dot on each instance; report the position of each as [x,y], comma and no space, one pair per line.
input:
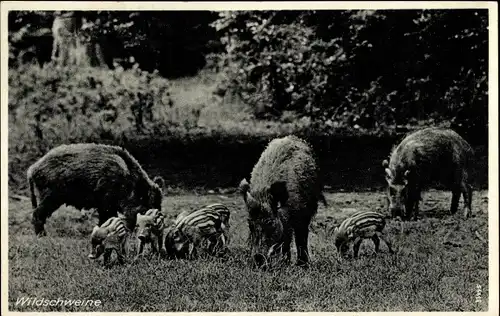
[111,235]
[205,228]
[150,227]
[356,228]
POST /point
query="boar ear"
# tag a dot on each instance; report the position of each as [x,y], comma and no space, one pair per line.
[153,212]
[243,188]
[279,192]
[191,248]
[336,231]
[385,163]
[160,182]
[405,176]
[388,174]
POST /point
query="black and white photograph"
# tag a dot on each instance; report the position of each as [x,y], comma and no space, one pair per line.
[249,157]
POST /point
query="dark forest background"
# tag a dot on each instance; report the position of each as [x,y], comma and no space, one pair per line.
[196,95]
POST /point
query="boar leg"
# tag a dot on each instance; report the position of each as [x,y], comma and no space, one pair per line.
[455,198]
[45,208]
[387,242]
[415,210]
[124,247]
[154,243]
[141,247]
[376,242]
[219,244]
[121,255]
[467,193]
[211,248]
[301,236]
[357,244]
[107,256]
[160,243]
[212,244]
[407,211]
[192,250]
[416,202]
[286,248]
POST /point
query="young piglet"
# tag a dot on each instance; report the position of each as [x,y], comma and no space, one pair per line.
[150,227]
[356,228]
[111,235]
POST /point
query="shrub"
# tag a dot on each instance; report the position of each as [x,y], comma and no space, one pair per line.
[49,106]
[360,69]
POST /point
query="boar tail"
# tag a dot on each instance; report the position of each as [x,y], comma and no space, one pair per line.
[34,203]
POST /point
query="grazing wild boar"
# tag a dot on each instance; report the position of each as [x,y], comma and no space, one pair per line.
[150,227]
[428,156]
[88,176]
[282,198]
[111,235]
[357,227]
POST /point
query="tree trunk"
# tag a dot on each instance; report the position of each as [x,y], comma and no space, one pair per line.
[68,49]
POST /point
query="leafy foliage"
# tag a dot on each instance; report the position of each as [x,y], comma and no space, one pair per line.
[172,42]
[134,108]
[361,69]
[51,105]
[313,73]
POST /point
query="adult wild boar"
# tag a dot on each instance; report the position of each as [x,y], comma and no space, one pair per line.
[87,176]
[281,199]
[430,155]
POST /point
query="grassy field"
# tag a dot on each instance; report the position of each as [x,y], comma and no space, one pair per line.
[439,263]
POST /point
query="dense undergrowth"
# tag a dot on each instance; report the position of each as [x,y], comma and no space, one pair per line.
[152,116]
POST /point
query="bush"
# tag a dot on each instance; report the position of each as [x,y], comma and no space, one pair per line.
[361,69]
[49,106]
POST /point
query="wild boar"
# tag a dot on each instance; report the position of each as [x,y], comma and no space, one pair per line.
[430,155]
[281,199]
[88,175]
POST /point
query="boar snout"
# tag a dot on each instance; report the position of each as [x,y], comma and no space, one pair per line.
[96,252]
[38,226]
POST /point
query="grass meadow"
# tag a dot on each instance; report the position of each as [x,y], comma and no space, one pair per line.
[438,264]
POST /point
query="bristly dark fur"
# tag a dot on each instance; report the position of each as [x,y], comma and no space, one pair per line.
[282,196]
[430,155]
[88,176]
